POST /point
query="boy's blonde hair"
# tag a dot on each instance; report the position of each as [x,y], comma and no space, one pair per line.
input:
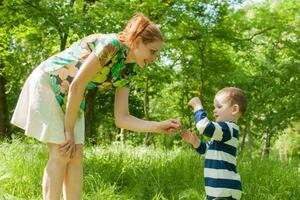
[140,26]
[235,96]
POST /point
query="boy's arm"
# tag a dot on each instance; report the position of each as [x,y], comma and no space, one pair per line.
[219,131]
[202,147]
[191,138]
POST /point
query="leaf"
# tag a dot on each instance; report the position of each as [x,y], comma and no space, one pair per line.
[99,78]
[105,70]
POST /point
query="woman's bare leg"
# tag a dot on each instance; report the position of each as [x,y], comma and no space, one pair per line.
[54,173]
[74,175]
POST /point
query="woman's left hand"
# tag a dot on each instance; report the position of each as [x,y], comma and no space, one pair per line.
[168,126]
[68,147]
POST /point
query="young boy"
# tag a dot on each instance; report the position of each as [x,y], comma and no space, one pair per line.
[221,178]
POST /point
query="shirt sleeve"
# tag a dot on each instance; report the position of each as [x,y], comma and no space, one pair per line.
[104,48]
[202,147]
[219,131]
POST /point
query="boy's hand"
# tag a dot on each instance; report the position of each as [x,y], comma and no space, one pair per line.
[191,138]
[195,102]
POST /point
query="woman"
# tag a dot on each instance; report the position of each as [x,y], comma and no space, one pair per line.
[51,104]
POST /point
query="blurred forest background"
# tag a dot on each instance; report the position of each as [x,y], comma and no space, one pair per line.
[209,44]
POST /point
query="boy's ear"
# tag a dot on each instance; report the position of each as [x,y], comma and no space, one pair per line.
[235,109]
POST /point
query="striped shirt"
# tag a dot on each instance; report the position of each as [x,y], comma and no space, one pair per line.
[221,177]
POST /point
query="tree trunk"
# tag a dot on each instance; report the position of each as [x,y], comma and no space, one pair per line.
[63,41]
[64,36]
[245,131]
[148,136]
[267,143]
[90,104]
[110,137]
[122,136]
[202,65]
[4,124]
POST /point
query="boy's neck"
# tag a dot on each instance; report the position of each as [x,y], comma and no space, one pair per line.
[234,120]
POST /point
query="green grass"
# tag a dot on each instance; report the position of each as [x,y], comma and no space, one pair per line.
[116,173]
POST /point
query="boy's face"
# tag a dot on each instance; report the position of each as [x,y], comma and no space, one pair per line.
[223,111]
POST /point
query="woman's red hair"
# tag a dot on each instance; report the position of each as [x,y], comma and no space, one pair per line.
[140,26]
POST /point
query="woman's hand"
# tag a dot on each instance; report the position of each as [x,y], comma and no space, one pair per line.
[68,147]
[168,126]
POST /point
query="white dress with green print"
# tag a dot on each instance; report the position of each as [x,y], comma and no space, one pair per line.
[41,105]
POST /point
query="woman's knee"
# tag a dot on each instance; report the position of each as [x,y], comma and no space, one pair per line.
[77,156]
[55,155]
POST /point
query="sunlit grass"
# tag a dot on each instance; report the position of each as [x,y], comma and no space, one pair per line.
[140,173]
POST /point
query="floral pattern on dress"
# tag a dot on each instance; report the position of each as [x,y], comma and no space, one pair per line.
[114,73]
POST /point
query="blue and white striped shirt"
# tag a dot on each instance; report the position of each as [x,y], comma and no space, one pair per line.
[221,177]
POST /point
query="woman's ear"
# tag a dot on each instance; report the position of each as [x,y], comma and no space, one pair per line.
[137,42]
[235,109]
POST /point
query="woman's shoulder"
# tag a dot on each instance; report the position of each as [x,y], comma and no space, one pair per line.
[99,42]
[102,38]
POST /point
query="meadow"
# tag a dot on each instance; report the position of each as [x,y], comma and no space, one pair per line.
[139,173]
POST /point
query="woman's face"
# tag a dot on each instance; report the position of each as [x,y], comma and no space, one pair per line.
[144,54]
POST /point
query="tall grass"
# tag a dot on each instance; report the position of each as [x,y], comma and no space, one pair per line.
[139,173]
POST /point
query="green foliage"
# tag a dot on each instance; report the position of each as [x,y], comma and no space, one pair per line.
[114,172]
[21,171]
[264,179]
[208,45]
[288,144]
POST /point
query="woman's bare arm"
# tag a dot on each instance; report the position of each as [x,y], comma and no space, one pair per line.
[86,72]
[124,120]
